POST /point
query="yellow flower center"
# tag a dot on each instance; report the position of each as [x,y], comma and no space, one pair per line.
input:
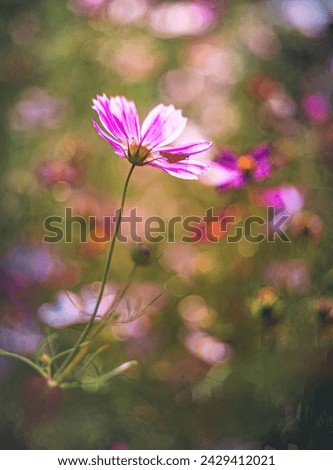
[137,154]
[246,163]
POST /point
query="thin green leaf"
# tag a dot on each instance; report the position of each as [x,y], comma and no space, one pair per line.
[117,371]
[23,359]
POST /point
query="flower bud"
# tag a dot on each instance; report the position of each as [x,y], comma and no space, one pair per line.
[45,359]
[141,254]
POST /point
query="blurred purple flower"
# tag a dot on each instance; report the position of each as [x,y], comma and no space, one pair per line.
[234,172]
[25,265]
[309,17]
[28,264]
[149,145]
[23,339]
[38,109]
[316,106]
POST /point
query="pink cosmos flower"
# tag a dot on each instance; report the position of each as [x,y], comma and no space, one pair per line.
[234,172]
[149,145]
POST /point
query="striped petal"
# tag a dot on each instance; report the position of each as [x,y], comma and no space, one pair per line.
[162,126]
[119,118]
[120,149]
[187,169]
[228,159]
[261,155]
[186,149]
[127,114]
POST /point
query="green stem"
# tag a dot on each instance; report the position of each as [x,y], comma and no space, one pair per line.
[65,368]
[115,304]
[93,357]
[23,359]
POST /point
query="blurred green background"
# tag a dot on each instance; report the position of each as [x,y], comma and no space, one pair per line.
[236,351]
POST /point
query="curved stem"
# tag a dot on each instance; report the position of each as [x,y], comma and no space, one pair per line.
[115,304]
[23,359]
[62,372]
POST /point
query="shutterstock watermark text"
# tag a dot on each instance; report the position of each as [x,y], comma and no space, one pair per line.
[154,229]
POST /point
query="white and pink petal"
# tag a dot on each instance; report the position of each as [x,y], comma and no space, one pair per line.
[163,125]
[109,121]
[186,149]
[119,148]
[225,177]
[127,114]
[187,169]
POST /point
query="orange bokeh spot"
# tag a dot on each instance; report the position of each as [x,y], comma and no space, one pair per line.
[246,163]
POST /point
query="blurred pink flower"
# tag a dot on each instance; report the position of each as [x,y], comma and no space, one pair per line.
[181,258]
[316,107]
[89,8]
[206,347]
[310,18]
[70,308]
[135,60]
[149,145]
[28,265]
[183,18]
[50,172]
[21,338]
[287,200]
[293,275]
[234,172]
[127,11]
